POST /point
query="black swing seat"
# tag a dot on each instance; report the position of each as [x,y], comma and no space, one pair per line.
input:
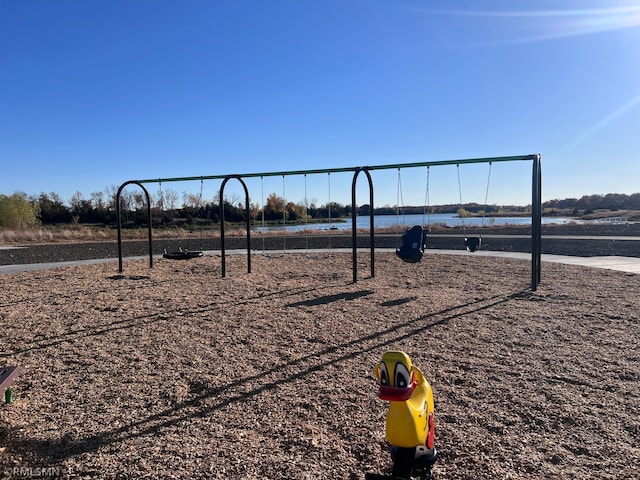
[181,254]
[414,242]
[472,243]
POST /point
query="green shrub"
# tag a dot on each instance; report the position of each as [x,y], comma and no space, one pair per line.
[17,211]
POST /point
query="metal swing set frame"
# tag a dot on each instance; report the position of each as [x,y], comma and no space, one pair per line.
[536,205]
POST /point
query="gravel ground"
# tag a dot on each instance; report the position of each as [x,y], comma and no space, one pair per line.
[175,372]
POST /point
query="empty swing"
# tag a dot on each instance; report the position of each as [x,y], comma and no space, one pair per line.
[186,254]
[181,254]
[272,204]
[284,217]
[331,225]
[264,204]
[306,222]
[414,240]
[472,243]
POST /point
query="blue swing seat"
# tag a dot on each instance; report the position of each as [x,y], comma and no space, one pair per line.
[414,242]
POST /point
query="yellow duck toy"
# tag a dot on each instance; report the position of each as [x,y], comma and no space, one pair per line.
[410,426]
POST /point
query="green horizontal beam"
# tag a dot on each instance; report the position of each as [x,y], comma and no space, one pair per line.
[467,161]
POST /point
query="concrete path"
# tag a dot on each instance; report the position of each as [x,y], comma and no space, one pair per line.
[623,264]
[45,266]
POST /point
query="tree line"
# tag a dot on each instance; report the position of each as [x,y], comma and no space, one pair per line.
[586,203]
[169,209]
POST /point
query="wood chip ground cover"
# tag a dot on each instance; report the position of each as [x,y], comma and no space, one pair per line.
[175,372]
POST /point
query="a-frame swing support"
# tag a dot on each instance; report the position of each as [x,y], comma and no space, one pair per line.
[536,204]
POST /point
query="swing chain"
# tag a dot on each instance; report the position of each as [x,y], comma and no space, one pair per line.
[427,203]
[486,195]
[161,203]
[400,204]
[464,231]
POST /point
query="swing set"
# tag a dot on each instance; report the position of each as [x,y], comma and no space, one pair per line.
[414,241]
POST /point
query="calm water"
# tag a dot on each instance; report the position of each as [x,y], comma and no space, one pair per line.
[381,221]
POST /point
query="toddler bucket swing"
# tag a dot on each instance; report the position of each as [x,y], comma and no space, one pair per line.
[473,243]
[414,240]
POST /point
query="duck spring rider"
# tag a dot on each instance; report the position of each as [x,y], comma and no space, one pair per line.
[410,426]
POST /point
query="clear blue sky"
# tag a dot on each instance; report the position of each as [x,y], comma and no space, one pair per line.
[93,93]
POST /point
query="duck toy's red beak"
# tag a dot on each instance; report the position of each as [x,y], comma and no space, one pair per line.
[396,394]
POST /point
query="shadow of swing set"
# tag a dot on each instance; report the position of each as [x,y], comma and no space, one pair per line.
[414,240]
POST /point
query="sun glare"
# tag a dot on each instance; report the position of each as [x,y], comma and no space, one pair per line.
[561,23]
[601,124]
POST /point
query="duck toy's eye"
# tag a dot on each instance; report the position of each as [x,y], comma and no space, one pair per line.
[384,375]
[402,376]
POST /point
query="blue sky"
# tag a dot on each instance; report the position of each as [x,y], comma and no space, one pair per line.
[94,93]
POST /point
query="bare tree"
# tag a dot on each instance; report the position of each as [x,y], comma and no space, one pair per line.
[97,200]
[189,200]
[170,199]
[76,205]
[139,200]
[111,193]
[126,201]
[158,199]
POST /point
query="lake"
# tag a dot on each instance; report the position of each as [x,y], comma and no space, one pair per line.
[382,221]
